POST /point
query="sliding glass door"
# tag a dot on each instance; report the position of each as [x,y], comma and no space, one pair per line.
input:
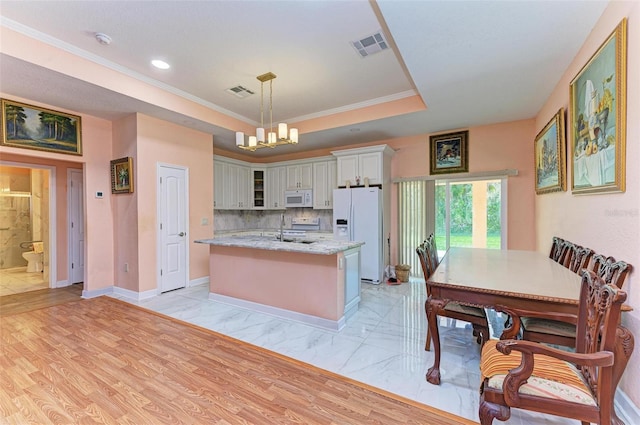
[470,213]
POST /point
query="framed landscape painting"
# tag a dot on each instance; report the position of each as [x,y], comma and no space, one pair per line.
[598,118]
[33,127]
[449,153]
[550,156]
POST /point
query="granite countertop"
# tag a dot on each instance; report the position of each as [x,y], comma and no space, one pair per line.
[324,247]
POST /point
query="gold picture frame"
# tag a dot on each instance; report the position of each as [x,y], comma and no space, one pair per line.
[449,153]
[549,154]
[597,102]
[122,175]
[32,127]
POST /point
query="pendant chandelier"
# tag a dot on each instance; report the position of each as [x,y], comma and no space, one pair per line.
[283,137]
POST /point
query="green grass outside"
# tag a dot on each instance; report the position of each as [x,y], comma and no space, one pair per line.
[464,241]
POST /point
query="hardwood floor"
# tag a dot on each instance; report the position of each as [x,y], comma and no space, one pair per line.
[42,298]
[106,361]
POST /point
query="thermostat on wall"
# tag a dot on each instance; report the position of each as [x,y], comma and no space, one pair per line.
[99,195]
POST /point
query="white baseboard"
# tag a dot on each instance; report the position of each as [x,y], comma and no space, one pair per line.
[307,319]
[198,281]
[97,292]
[626,409]
[62,283]
[133,295]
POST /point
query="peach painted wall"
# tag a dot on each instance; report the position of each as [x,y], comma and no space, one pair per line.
[163,142]
[96,147]
[125,208]
[607,223]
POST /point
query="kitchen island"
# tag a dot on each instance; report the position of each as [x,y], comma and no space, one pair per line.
[315,282]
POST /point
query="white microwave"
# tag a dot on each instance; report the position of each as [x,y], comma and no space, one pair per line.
[298,198]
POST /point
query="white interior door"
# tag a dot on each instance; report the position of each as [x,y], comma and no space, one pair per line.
[76,227]
[173,201]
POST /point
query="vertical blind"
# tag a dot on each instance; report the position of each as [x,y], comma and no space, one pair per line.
[416,214]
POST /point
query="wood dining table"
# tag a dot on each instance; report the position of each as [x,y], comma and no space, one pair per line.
[491,277]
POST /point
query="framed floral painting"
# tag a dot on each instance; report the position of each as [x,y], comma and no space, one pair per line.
[122,175]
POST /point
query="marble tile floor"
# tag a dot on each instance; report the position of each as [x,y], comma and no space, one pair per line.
[16,281]
[382,344]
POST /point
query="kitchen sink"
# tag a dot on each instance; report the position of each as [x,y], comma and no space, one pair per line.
[292,240]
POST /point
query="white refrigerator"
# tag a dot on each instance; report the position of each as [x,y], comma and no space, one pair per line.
[357,216]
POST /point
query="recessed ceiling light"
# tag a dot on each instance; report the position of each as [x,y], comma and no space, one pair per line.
[160,64]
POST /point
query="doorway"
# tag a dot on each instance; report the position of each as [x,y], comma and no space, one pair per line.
[27,227]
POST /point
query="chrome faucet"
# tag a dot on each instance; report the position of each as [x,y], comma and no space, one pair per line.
[281,226]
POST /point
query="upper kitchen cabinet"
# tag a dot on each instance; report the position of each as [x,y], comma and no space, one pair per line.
[231,183]
[276,185]
[239,187]
[300,176]
[258,188]
[220,171]
[372,163]
[324,181]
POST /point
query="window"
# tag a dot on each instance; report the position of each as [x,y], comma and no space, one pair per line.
[460,213]
[469,213]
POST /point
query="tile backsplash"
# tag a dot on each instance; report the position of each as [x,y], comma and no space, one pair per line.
[224,220]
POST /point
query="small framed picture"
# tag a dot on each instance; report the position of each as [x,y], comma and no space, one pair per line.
[449,153]
[550,156]
[122,175]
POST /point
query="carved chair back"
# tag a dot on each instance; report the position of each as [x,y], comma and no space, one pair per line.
[432,252]
[610,270]
[557,246]
[578,258]
[598,318]
[421,250]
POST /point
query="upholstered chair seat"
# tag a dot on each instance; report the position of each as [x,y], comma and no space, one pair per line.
[551,378]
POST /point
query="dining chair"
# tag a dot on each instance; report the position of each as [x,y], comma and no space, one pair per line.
[561,330]
[559,248]
[556,246]
[474,315]
[577,258]
[610,270]
[581,385]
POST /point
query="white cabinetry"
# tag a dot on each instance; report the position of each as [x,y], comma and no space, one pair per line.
[231,184]
[299,176]
[239,188]
[220,172]
[276,185]
[258,190]
[324,181]
[356,165]
[351,270]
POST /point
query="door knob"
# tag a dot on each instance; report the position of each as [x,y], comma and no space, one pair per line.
[181,234]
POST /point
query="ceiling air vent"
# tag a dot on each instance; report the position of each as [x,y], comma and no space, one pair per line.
[371,44]
[240,91]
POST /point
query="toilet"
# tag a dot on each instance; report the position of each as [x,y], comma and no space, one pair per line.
[34,258]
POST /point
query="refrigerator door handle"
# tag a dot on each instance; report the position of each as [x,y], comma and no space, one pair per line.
[352,223]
